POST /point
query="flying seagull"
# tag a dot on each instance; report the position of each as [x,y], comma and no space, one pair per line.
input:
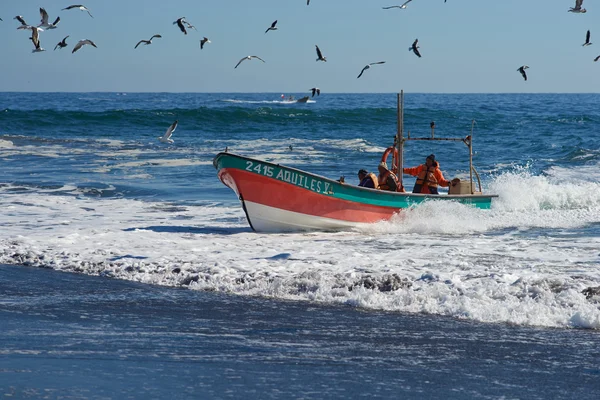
[402,6]
[166,138]
[179,23]
[203,42]
[35,38]
[415,48]
[522,71]
[62,43]
[307,2]
[248,58]
[577,9]
[82,43]
[315,90]
[597,58]
[24,25]
[587,39]
[79,6]
[369,66]
[147,42]
[44,22]
[272,27]
[190,26]
[320,55]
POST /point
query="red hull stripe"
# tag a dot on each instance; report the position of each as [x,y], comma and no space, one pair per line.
[274,193]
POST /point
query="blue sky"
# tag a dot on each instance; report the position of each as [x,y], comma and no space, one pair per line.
[468,46]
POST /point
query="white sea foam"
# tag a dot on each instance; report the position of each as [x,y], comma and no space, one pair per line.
[522,262]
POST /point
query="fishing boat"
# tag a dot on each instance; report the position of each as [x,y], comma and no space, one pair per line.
[277,198]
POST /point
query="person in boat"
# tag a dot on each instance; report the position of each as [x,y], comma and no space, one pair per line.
[429,176]
[367,179]
[387,179]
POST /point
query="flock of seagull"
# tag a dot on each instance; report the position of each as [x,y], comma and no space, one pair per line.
[184,25]
[46,25]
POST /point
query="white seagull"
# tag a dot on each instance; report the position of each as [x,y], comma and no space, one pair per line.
[587,39]
[147,42]
[203,42]
[79,6]
[82,43]
[180,22]
[248,58]
[166,138]
[522,71]
[44,22]
[315,90]
[577,9]
[320,55]
[369,66]
[35,38]
[415,47]
[402,6]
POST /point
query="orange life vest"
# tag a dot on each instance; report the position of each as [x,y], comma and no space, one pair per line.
[426,179]
[383,179]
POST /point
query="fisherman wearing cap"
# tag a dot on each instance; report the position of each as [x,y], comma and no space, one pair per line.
[387,179]
[429,176]
[367,179]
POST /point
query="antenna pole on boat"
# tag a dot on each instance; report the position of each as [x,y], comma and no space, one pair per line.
[400,135]
[471,157]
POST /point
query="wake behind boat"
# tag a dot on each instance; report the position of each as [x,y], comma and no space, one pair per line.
[277,198]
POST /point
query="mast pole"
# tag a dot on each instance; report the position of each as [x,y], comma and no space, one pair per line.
[400,135]
[471,158]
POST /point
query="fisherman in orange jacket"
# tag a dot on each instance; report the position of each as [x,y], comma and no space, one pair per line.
[429,176]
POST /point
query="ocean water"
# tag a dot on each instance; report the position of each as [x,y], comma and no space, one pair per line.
[87,188]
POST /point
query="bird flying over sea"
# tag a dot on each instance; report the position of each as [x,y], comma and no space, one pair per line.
[320,55]
[248,58]
[597,58]
[44,22]
[166,138]
[522,71]
[81,7]
[82,43]
[147,42]
[24,25]
[402,6]
[369,66]
[35,38]
[203,42]
[587,39]
[415,47]
[272,27]
[577,9]
[315,90]
[62,43]
[180,22]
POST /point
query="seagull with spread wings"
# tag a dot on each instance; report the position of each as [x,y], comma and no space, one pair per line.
[166,138]
[402,6]
[180,22]
[35,38]
[203,42]
[272,27]
[369,66]
[24,25]
[81,7]
[62,43]
[44,22]
[415,48]
[82,43]
[315,90]
[147,42]
[587,39]
[320,55]
[522,71]
[248,58]
[577,9]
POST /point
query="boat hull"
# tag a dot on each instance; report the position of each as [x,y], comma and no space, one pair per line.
[283,199]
